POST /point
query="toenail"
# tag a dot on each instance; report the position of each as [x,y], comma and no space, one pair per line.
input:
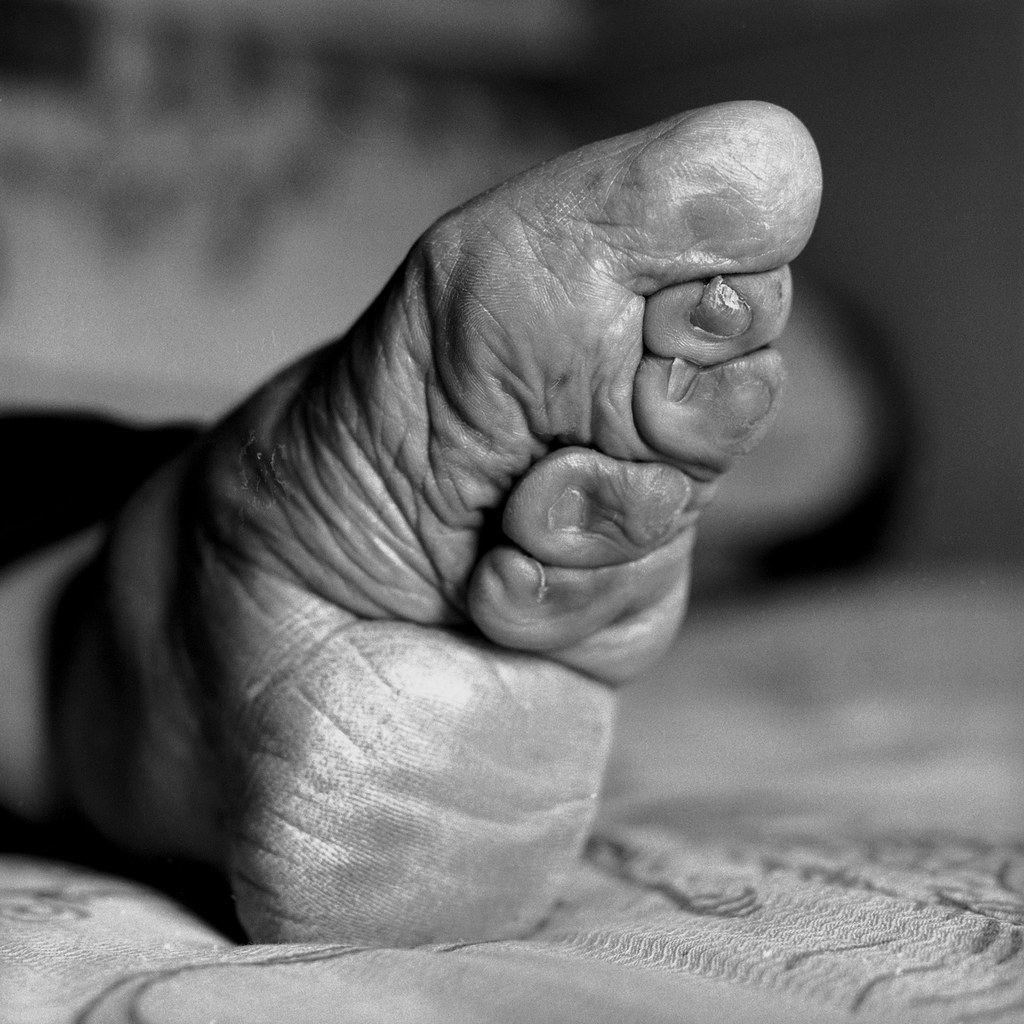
[751,401]
[541,590]
[569,512]
[747,409]
[721,311]
[682,375]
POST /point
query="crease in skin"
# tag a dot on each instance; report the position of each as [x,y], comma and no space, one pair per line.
[399,550]
[319,508]
[402,515]
[451,495]
[337,722]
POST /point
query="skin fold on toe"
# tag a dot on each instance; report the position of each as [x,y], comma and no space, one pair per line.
[294,609]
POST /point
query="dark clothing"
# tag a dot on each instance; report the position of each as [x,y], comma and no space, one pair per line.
[65,472]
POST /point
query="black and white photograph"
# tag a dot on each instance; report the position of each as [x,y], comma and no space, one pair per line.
[512,512]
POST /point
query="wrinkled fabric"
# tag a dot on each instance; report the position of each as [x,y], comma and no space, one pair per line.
[815,813]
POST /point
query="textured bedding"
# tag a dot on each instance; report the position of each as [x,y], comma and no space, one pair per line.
[815,812]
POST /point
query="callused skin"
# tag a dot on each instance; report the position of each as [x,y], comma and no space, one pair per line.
[291,615]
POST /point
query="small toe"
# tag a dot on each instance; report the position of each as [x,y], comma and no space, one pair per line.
[718,320]
[702,418]
[520,603]
[580,508]
[622,650]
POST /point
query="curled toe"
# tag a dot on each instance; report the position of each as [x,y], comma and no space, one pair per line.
[722,411]
[580,508]
[708,322]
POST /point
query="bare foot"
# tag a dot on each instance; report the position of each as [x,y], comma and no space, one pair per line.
[307,665]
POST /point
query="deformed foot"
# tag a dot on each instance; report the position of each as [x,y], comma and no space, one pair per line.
[345,630]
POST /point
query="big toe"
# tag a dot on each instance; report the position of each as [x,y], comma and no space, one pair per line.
[730,188]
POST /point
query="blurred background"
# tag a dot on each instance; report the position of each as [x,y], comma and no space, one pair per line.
[196,191]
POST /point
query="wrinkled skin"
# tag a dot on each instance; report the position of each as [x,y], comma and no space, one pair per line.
[358,646]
